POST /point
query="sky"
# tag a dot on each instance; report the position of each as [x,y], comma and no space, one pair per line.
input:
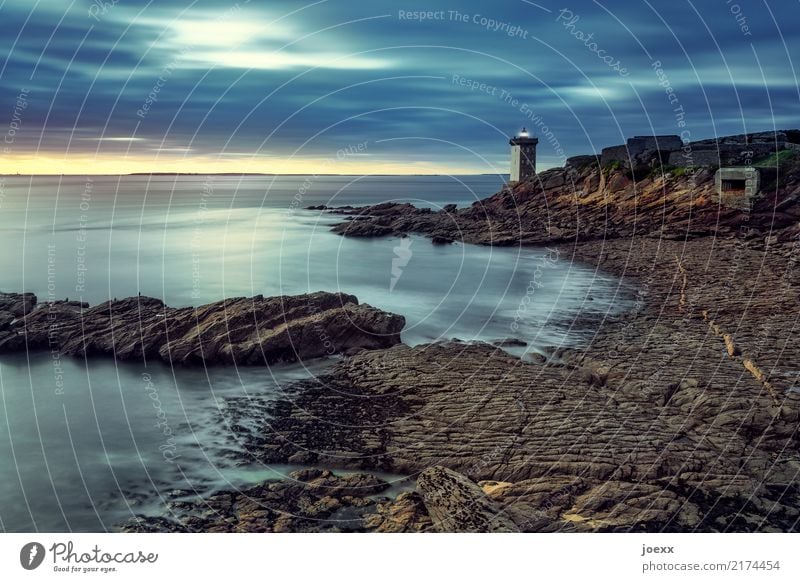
[377,87]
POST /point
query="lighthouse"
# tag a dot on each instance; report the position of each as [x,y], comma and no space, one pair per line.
[523,156]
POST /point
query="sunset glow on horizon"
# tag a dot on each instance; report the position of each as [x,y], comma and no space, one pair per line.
[55,164]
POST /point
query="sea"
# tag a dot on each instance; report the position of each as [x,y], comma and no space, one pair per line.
[86,444]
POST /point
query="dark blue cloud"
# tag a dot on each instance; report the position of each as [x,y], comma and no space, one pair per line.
[220,77]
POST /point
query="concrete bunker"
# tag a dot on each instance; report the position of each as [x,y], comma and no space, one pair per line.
[738,187]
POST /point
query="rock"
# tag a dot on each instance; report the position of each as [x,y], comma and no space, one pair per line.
[580,162]
[492,487]
[511,342]
[456,504]
[322,502]
[617,505]
[362,228]
[6,318]
[537,358]
[406,513]
[326,483]
[617,182]
[17,304]
[555,180]
[441,240]
[249,331]
[605,423]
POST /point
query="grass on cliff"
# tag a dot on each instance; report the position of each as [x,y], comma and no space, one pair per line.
[611,167]
[671,172]
[777,159]
[681,171]
[616,166]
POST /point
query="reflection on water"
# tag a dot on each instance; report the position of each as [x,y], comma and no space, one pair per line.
[121,437]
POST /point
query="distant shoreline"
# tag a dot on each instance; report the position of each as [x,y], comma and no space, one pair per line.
[244,174]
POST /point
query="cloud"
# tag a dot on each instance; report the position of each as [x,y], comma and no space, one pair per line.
[228,78]
[124,139]
[226,33]
[242,59]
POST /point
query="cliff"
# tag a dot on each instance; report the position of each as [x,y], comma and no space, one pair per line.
[585,201]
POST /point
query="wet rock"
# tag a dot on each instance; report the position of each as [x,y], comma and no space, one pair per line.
[579,446]
[306,501]
[17,304]
[248,331]
[441,240]
[6,317]
[325,482]
[510,343]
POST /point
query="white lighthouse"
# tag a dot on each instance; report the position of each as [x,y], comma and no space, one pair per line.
[523,156]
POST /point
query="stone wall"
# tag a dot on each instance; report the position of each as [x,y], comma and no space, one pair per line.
[641,151]
[648,151]
[642,143]
[710,153]
[615,154]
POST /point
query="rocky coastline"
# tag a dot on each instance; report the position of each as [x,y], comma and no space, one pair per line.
[585,201]
[680,415]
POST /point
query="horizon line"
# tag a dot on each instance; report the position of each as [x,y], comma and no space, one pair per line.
[244,174]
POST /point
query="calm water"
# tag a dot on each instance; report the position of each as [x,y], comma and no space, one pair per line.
[121,437]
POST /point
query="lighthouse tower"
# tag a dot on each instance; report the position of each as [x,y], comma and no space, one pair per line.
[523,156]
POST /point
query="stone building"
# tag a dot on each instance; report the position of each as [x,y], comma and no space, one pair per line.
[737,187]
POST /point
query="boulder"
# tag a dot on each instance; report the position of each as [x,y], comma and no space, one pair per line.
[456,504]
[242,330]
